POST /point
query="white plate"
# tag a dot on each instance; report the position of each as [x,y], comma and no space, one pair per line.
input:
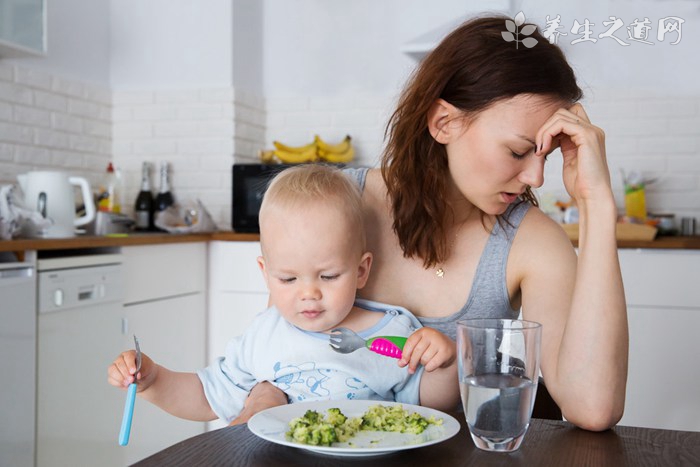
[272,425]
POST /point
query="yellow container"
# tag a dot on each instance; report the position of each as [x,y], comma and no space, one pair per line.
[635,202]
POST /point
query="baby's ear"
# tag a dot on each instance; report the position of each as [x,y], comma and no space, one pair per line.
[363,269]
[441,117]
[261,265]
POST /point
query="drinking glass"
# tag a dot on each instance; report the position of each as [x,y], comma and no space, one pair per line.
[499,364]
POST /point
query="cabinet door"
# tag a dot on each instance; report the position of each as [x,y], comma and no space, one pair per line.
[661,278]
[171,332]
[160,271]
[663,380]
[78,413]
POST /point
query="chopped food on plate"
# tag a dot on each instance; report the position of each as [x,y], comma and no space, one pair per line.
[315,429]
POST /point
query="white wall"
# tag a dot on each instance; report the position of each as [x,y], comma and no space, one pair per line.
[341,74]
[287,69]
[170,44]
[248,30]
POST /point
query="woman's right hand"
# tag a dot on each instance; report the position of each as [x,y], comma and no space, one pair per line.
[263,396]
[121,372]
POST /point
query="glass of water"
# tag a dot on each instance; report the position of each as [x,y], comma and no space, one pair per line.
[499,363]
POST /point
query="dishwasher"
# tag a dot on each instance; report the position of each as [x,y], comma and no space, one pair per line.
[17,360]
[80,332]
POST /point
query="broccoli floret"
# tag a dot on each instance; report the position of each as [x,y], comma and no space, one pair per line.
[311,416]
[336,417]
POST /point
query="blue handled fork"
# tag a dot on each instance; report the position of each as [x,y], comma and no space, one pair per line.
[130,399]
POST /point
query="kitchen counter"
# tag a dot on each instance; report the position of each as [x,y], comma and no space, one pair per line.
[132,239]
[87,241]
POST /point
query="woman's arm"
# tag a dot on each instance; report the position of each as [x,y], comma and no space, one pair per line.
[580,303]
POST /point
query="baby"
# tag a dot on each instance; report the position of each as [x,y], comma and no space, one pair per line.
[313,260]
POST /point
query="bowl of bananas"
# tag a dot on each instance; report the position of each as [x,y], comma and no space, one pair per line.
[316,151]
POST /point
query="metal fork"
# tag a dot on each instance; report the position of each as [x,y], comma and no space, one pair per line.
[343,340]
[125,430]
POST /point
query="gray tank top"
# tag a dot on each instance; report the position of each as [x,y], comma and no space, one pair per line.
[489,293]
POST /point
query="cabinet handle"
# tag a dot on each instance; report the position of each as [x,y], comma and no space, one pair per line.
[125,326]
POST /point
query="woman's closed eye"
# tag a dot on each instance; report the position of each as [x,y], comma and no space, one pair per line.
[519,156]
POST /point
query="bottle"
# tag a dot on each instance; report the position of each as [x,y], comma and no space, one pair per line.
[144,207]
[164,198]
[110,191]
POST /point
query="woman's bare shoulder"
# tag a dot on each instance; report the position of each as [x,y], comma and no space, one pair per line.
[539,237]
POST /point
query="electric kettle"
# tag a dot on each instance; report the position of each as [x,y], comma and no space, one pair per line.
[52,194]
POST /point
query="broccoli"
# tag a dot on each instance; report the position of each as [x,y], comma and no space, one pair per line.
[317,430]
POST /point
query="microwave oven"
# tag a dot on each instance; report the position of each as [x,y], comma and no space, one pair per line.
[250,181]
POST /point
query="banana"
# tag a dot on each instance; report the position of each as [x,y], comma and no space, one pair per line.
[295,149]
[339,157]
[266,156]
[325,148]
[295,157]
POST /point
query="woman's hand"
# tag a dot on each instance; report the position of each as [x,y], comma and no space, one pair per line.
[430,348]
[586,174]
[263,396]
[122,372]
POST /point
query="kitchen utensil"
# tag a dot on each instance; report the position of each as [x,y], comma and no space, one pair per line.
[107,223]
[687,226]
[130,399]
[52,194]
[499,364]
[343,340]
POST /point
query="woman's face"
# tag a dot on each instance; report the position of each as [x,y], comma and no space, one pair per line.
[491,158]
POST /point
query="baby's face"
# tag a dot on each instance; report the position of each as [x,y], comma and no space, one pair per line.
[313,266]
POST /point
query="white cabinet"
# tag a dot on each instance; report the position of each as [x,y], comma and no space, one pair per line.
[237,293]
[662,288]
[22,28]
[165,307]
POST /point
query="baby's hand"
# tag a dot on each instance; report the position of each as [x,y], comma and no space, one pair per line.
[430,348]
[121,372]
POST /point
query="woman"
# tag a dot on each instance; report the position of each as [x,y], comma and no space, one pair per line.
[453,225]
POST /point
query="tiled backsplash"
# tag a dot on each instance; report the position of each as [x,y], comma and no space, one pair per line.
[654,134]
[197,130]
[48,122]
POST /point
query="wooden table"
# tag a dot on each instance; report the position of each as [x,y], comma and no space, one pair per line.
[546,443]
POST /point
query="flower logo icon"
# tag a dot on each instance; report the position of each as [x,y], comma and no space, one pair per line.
[514,31]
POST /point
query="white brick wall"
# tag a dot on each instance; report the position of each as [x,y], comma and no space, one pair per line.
[295,121]
[197,130]
[657,135]
[49,122]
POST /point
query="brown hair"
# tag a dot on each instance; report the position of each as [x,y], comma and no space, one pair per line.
[472,69]
[301,187]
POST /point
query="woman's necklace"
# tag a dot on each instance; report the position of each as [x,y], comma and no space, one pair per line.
[440,271]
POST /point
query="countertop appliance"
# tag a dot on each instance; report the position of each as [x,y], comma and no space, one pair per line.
[80,324]
[52,194]
[249,184]
[17,361]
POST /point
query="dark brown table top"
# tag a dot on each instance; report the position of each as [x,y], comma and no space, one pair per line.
[546,443]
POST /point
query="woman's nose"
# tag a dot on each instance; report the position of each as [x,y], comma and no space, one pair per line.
[533,172]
